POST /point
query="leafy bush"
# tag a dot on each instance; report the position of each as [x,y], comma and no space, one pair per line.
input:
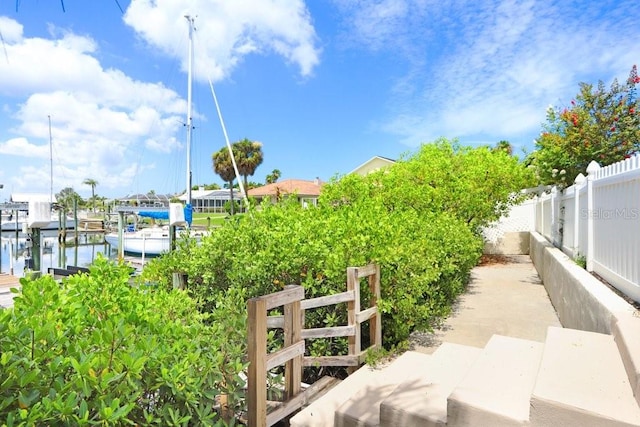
[96,350]
[475,185]
[417,219]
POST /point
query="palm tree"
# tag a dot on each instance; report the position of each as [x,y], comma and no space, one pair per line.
[93,183]
[248,156]
[274,176]
[67,198]
[224,168]
[504,146]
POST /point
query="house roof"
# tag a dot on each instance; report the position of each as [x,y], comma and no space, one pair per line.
[147,197]
[380,159]
[288,186]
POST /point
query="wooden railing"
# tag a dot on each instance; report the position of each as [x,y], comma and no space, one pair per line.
[292,353]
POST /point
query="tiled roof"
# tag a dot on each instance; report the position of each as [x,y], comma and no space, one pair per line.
[288,186]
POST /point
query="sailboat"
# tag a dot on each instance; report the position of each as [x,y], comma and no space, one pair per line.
[156,240]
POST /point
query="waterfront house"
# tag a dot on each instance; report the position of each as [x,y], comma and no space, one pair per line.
[306,192]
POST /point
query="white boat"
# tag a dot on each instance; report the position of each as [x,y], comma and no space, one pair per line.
[148,241]
[155,240]
[9,223]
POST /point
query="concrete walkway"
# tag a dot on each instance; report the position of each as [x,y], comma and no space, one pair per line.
[505,297]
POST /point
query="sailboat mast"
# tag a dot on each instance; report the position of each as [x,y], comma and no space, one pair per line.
[189,118]
[50,161]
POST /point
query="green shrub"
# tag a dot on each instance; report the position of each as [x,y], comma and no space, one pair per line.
[418,219]
[425,260]
[96,350]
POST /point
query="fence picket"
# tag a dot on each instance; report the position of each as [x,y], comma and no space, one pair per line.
[600,220]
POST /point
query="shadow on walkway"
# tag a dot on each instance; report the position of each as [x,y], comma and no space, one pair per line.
[505,298]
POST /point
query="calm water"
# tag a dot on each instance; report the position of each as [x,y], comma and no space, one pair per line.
[13,253]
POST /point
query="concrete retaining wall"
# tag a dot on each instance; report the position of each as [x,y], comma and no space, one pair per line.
[581,300]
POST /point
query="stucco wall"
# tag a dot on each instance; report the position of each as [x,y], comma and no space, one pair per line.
[510,234]
[581,300]
[509,243]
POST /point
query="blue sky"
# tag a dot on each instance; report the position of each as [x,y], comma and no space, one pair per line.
[324,85]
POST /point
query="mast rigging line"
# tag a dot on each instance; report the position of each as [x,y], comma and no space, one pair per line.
[226,138]
[189,119]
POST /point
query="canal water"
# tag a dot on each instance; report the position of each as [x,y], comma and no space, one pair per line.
[14,253]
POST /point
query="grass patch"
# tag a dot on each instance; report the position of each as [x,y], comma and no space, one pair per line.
[209,219]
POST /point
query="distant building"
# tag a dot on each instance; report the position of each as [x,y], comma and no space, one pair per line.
[307,192]
[373,164]
[211,200]
[147,200]
[32,197]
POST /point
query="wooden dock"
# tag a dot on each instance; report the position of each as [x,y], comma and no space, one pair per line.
[8,281]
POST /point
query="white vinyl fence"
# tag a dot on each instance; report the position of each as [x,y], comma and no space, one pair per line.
[598,218]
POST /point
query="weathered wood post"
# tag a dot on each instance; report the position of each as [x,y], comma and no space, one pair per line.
[257,371]
[353,307]
[292,334]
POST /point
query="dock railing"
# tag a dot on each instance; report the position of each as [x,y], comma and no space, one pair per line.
[292,354]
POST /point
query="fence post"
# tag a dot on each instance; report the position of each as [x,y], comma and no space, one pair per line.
[353,307]
[591,171]
[292,334]
[257,371]
[577,185]
[540,211]
[375,324]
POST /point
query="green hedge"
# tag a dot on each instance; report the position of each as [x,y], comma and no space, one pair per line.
[425,259]
[96,350]
[418,219]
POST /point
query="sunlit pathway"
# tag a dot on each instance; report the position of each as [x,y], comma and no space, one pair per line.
[504,297]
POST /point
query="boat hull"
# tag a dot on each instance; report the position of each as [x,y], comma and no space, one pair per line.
[147,241]
[53,225]
[141,244]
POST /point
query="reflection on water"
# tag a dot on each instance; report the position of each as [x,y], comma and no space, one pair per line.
[15,251]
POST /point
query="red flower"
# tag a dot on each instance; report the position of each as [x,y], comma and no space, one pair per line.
[632,110]
[613,129]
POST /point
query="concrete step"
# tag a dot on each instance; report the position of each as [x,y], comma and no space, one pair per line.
[363,407]
[626,333]
[582,383]
[422,400]
[496,390]
[321,413]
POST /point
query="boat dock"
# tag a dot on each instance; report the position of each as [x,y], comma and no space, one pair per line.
[7,282]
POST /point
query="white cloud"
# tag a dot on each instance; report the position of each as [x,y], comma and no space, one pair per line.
[228,31]
[99,116]
[10,29]
[103,119]
[489,69]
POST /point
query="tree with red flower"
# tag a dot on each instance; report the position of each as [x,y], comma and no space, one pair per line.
[599,124]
